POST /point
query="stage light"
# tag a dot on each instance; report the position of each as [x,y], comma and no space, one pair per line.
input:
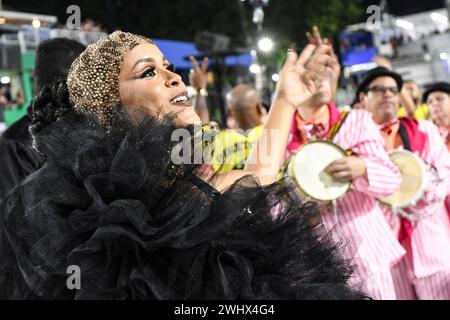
[5,80]
[36,23]
[443,56]
[439,18]
[254,68]
[404,24]
[265,44]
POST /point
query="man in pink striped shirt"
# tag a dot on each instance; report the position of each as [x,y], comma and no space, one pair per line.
[360,220]
[437,96]
[424,272]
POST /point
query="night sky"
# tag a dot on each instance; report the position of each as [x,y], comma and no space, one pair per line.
[405,7]
[397,7]
[181,19]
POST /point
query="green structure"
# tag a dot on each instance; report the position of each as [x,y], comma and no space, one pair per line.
[27,61]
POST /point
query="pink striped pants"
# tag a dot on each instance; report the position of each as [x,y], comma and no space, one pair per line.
[409,287]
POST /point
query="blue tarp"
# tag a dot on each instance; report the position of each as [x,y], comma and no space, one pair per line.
[357,47]
[358,56]
[175,51]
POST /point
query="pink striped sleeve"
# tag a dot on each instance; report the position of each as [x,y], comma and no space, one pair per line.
[435,153]
[382,176]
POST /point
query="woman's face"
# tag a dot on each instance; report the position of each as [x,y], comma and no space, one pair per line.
[148,85]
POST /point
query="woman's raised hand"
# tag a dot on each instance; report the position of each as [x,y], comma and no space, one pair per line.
[198,78]
[302,74]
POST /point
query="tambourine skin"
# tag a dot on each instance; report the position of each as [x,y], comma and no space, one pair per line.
[306,168]
[417,177]
[414,180]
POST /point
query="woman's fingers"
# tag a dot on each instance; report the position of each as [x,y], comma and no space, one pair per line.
[205,64]
[322,50]
[197,67]
[311,39]
[306,55]
[194,63]
[291,59]
[317,35]
[319,60]
[331,48]
[310,65]
[310,55]
[319,64]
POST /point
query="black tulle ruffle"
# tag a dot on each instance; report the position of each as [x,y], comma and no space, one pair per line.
[140,227]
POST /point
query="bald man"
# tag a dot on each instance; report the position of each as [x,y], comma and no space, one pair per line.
[382,61]
[245,107]
[233,146]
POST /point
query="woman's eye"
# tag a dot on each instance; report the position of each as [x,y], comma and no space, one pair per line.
[149,73]
[171,67]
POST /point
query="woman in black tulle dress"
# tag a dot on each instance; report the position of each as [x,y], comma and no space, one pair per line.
[111,201]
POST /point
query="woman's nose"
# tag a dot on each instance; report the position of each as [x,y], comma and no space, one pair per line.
[174,80]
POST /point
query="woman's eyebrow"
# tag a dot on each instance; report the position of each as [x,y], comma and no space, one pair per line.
[146,59]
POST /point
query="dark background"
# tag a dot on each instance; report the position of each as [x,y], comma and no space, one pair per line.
[286,20]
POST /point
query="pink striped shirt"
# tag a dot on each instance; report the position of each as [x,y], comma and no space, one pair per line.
[430,240]
[360,218]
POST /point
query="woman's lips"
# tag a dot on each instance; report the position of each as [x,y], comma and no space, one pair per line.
[187,103]
[181,99]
